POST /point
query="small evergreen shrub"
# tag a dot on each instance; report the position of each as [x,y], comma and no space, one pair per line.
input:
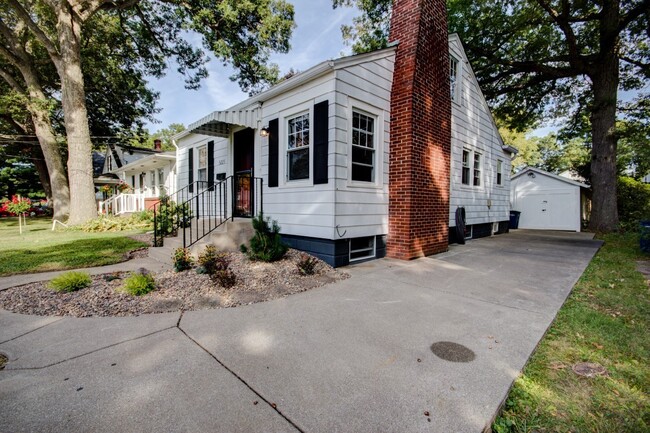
[266,244]
[182,259]
[307,264]
[70,281]
[139,284]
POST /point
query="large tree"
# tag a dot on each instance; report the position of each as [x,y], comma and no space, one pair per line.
[239,32]
[548,58]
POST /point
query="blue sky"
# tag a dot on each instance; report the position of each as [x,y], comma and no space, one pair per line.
[317,37]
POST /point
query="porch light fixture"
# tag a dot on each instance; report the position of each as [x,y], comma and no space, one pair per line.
[264,132]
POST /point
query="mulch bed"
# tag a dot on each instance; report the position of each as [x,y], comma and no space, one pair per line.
[187,290]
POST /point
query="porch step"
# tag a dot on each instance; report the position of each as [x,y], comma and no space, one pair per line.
[231,235]
[227,237]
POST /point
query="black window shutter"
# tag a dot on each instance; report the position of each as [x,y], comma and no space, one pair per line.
[190,177]
[321,141]
[273,152]
[210,163]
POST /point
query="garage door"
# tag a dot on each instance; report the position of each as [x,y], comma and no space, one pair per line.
[546,210]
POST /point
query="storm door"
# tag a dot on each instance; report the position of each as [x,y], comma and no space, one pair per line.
[243,148]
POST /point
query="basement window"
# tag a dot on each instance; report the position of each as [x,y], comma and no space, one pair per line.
[362,248]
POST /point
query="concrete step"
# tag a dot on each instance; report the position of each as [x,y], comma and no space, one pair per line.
[227,237]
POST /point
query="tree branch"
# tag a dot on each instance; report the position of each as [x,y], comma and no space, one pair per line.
[35,29]
[638,63]
[633,14]
[562,21]
[13,83]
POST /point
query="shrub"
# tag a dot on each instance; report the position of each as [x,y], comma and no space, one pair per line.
[139,284]
[106,223]
[216,265]
[266,244]
[212,261]
[70,281]
[182,259]
[225,278]
[633,202]
[307,264]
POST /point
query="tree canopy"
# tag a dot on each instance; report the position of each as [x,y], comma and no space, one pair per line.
[546,59]
[141,35]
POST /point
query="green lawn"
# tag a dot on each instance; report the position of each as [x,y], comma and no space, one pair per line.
[606,320]
[39,249]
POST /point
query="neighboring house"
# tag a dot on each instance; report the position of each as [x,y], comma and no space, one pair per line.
[320,143]
[548,201]
[646,179]
[147,172]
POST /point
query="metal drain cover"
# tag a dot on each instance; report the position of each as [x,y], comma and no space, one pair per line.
[454,352]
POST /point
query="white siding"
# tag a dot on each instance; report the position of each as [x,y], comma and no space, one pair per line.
[473,128]
[362,208]
[300,207]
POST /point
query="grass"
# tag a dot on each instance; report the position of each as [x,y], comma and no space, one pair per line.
[606,320]
[39,249]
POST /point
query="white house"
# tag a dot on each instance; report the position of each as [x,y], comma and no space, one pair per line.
[319,143]
[548,201]
[147,172]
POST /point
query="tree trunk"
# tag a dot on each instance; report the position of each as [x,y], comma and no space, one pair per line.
[604,211]
[53,160]
[43,175]
[73,99]
[49,146]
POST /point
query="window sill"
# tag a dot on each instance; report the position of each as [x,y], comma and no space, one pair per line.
[361,185]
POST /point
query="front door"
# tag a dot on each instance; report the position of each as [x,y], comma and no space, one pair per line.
[243,145]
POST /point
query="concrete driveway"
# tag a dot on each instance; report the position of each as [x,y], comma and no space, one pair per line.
[355,356]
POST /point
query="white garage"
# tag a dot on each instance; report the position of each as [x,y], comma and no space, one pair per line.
[548,201]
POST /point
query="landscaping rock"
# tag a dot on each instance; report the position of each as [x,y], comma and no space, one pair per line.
[187,290]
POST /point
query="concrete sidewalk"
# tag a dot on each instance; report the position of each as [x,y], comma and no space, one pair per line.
[353,356]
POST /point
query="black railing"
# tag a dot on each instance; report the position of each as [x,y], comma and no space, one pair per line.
[200,208]
[168,215]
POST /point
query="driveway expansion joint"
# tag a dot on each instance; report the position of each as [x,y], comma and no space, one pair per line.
[91,352]
[33,330]
[246,384]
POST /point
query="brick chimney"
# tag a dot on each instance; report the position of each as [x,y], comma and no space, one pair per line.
[420,130]
[157,145]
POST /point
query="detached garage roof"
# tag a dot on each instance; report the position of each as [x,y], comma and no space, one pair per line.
[535,171]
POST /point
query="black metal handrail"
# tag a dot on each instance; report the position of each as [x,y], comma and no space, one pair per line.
[239,195]
[166,212]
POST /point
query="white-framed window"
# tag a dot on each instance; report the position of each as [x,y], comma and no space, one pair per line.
[298,147]
[152,180]
[476,178]
[362,248]
[202,166]
[499,172]
[471,168]
[465,168]
[454,78]
[161,177]
[363,147]
[109,163]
